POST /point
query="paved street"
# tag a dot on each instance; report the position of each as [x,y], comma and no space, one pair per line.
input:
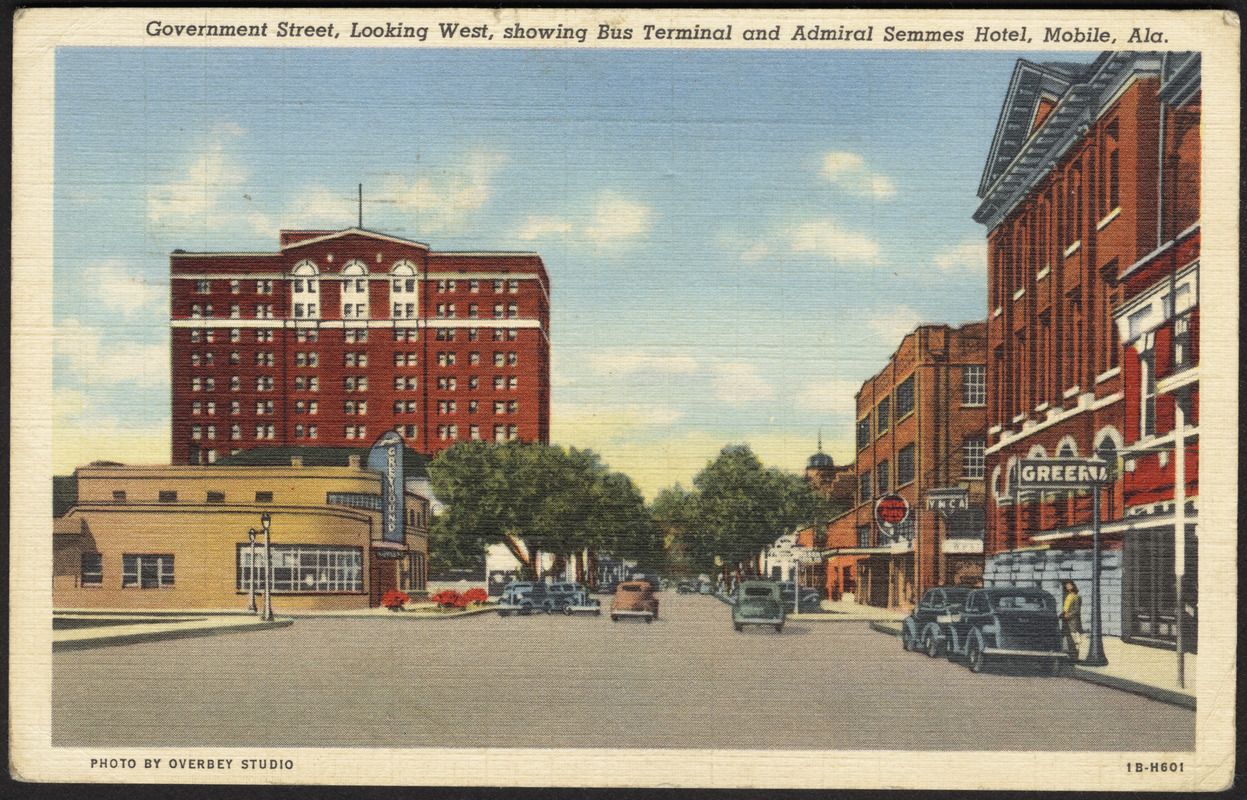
[685,681]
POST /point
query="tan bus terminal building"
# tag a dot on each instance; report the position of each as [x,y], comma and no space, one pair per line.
[174,537]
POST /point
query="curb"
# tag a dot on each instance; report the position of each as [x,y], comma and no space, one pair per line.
[159,636]
[1133,687]
[1100,679]
[406,617]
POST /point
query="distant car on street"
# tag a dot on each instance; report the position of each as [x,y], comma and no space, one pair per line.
[693,587]
[607,587]
[810,599]
[925,628]
[758,603]
[523,597]
[570,598]
[634,599]
[1007,623]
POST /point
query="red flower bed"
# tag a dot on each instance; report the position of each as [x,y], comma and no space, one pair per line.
[394,599]
[448,598]
[477,595]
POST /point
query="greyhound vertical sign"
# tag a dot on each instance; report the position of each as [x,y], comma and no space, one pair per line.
[386,457]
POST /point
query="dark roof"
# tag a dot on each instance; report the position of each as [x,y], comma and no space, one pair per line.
[820,459]
[413,463]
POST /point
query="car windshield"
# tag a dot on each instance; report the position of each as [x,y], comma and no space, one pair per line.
[1023,602]
[629,587]
[757,591]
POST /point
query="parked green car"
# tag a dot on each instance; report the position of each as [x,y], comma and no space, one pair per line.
[758,603]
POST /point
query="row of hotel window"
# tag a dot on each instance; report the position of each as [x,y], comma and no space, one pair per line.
[446,433]
[296,568]
[878,481]
[360,285]
[353,335]
[266,358]
[878,422]
[351,383]
[350,408]
[354,311]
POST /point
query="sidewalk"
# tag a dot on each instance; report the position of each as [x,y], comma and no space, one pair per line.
[88,629]
[84,629]
[1148,671]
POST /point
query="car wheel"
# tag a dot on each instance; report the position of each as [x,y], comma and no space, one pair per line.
[548,608]
[1056,667]
[738,627]
[614,618]
[975,658]
[907,641]
[526,609]
[648,620]
[504,613]
[567,610]
[597,612]
[779,628]
[931,645]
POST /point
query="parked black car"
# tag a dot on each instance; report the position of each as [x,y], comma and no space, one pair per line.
[810,599]
[1008,624]
[924,628]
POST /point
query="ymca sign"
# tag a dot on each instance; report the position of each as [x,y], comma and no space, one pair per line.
[946,500]
[1062,473]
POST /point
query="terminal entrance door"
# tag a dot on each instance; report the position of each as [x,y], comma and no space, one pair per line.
[382,578]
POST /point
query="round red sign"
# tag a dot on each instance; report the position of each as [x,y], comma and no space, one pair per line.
[891,509]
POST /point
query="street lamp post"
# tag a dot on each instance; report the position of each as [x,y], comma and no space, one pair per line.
[251,570]
[265,519]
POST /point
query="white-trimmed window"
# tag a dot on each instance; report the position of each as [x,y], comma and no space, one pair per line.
[146,571]
[404,299]
[973,456]
[974,385]
[302,568]
[355,290]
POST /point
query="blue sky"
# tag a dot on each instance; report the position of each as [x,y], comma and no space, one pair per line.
[735,239]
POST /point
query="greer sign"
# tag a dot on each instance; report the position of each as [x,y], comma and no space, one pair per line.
[1061,473]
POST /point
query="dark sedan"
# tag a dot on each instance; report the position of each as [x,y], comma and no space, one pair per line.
[810,598]
[1007,623]
[926,628]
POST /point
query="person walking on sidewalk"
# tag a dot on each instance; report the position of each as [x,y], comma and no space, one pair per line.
[1071,620]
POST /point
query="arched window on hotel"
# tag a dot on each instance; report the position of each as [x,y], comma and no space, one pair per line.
[305,290]
[404,299]
[355,290]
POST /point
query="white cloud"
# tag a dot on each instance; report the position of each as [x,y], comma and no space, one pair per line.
[970,256]
[628,362]
[757,252]
[539,227]
[616,218]
[122,287]
[738,382]
[444,200]
[212,175]
[893,325]
[130,441]
[848,171]
[92,363]
[613,421]
[832,396]
[828,239]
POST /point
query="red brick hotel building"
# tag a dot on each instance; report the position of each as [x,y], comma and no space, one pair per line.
[342,335]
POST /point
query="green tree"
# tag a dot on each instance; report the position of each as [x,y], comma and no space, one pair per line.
[738,509]
[536,498]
